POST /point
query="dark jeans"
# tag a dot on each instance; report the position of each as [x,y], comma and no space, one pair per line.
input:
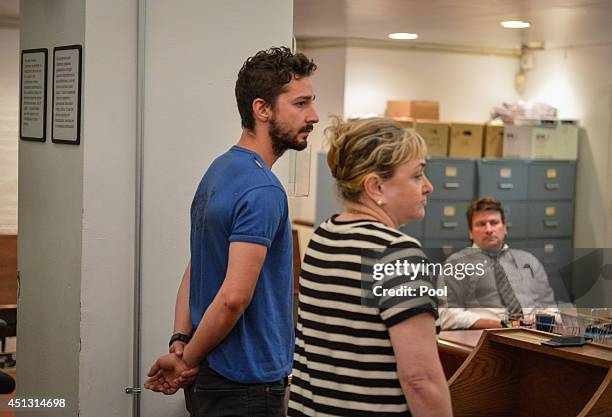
[213,395]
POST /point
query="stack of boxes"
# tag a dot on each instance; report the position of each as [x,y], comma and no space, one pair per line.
[422,115]
[466,140]
[435,135]
[542,139]
[527,139]
[413,109]
[493,141]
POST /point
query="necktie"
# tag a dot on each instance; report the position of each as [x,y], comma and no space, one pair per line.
[505,291]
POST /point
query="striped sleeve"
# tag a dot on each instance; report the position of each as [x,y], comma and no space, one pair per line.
[410,287]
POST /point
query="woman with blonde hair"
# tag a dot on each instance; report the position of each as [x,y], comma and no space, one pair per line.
[377,357]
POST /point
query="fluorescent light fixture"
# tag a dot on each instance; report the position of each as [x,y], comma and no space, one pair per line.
[515,24]
[402,35]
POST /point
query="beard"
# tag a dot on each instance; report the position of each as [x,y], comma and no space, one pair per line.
[283,137]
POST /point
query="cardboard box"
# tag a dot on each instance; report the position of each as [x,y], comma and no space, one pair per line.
[465,140]
[435,135]
[406,123]
[493,141]
[415,109]
[520,141]
[558,140]
[567,140]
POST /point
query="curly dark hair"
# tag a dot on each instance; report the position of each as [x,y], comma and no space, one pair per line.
[484,204]
[265,75]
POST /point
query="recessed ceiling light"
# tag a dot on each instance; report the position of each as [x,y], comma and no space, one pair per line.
[402,35]
[515,24]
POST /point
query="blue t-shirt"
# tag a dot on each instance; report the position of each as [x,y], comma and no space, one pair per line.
[240,200]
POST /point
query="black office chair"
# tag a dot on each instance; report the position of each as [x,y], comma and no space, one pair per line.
[7,383]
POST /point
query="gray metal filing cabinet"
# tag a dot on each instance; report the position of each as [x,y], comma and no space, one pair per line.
[551,219]
[454,183]
[446,220]
[452,178]
[552,180]
[545,246]
[505,179]
[446,229]
[538,195]
[552,186]
[516,218]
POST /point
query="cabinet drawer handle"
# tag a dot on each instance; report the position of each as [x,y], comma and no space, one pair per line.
[449,225]
[552,186]
[506,186]
[451,185]
[551,224]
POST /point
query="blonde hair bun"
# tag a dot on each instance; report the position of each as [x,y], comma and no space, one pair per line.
[361,146]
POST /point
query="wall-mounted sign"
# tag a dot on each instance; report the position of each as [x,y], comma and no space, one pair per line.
[66,109]
[33,95]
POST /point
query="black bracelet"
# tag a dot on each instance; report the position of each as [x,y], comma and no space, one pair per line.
[180,337]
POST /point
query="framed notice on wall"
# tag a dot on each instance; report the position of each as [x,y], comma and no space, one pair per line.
[33,95]
[66,108]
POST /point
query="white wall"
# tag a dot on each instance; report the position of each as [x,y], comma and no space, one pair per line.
[578,82]
[194,52]
[50,225]
[9,128]
[76,219]
[466,85]
[109,154]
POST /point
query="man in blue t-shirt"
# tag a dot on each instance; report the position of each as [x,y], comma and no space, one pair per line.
[233,317]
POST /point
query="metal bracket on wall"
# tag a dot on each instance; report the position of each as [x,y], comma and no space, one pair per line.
[133,390]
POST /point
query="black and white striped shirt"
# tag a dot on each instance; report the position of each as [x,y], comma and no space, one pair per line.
[344,363]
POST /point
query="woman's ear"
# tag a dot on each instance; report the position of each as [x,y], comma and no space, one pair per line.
[262,111]
[372,187]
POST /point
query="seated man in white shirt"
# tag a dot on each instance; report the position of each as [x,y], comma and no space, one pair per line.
[509,284]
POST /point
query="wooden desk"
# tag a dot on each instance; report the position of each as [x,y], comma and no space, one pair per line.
[510,374]
[454,347]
